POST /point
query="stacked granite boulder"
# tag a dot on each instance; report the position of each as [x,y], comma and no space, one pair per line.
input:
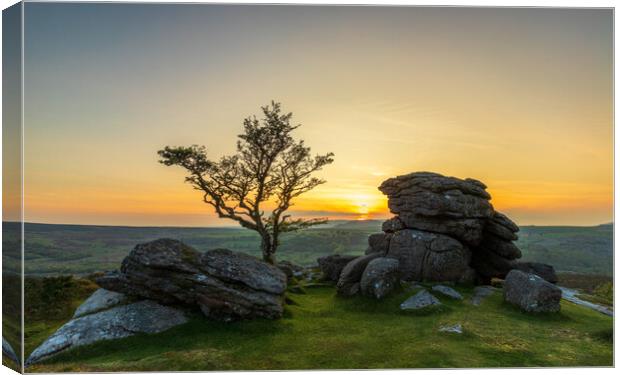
[445,229]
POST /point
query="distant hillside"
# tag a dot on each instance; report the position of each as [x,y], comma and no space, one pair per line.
[576,249]
[80,249]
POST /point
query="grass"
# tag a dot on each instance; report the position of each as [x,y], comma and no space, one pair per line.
[322,331]
[83,249]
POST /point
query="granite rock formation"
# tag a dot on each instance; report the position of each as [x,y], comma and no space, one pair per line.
[226,285]
[445,230]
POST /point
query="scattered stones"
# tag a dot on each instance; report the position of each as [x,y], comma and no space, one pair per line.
[481,293]
[332,265]
[117,322]
[225,285]
[531,293]
[101,299]
[447,291]
[455,328]
[7,350]
[420,300]
[380,277]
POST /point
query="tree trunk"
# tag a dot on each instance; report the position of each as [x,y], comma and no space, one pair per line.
[268,248]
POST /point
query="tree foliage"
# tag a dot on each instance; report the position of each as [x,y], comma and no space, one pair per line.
[269,166]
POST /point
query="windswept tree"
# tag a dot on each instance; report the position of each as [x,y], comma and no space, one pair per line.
[270,168]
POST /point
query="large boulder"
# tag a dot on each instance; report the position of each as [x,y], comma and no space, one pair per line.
[531,293]
[425,256]
[380,277]
[226,285]
[349,281]
[432,202]
[117,322]
[332,265]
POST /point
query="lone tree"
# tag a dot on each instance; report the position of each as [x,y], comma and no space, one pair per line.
[269,166]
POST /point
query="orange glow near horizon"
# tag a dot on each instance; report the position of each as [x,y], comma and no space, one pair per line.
[520,99]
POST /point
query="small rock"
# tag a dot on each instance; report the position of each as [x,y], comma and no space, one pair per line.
[447,291]
[531,292]
[101,299]
[419,301]
[290,269]
[456,328]
[480,293]
[392,225]
[380,277]
[117,322]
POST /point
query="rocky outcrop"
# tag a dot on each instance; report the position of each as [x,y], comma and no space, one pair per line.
[114,323]
[432,202]
[331,266]
[531,293]
[226,285]
[447,230]
[380,278]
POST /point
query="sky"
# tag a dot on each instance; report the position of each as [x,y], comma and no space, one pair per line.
[520,99]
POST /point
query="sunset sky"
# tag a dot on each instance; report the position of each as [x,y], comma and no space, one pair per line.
[518,98]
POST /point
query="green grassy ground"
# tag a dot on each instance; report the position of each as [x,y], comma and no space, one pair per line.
[323,331]
[82,249]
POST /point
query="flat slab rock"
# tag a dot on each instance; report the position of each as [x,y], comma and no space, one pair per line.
[455,328]
[481,293]
[419,301]
[447,291]
[115,323]
[102,299]
[7,350]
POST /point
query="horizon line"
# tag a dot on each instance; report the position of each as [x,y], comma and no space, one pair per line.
[240,227]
